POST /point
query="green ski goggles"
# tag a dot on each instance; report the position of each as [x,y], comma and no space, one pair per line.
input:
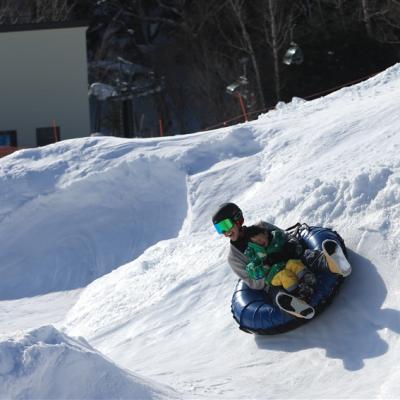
[224,226]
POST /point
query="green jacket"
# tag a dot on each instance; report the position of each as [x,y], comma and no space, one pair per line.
[238,261]
[272,254]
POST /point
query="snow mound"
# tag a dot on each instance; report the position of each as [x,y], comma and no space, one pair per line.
[82,219]
[89,205]
[47,364]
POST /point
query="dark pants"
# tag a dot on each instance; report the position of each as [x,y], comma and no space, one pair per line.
[315,260]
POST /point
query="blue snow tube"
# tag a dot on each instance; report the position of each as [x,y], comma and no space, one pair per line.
[254,310]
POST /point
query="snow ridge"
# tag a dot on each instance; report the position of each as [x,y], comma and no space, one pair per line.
[47,364]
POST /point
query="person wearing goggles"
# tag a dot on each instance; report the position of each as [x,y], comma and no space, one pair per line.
[228,221]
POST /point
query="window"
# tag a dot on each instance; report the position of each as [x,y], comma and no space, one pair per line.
[47,135]
[8,138]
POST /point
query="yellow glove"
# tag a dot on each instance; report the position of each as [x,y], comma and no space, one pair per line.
[295,266]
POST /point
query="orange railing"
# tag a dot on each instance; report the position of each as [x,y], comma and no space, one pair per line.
[6,150]
[251,115]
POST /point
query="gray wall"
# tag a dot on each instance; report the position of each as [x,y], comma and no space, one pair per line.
[44,77]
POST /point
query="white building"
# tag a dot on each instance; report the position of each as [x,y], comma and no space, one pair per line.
[43,83]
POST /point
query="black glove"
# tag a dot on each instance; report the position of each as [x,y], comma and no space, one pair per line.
[309,278]
[304,291]
[293,248]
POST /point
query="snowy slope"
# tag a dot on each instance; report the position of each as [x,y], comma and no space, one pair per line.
[128,222]
[45,363]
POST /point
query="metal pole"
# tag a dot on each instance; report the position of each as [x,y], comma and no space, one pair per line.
[243,107]
[55,135]
[161,127]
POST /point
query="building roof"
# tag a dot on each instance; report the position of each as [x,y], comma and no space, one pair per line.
[43,26]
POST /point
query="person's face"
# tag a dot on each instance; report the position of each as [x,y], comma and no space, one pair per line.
[261,239]
[233,234]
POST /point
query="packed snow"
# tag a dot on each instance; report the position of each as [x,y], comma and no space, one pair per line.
[77,370]
[116,285]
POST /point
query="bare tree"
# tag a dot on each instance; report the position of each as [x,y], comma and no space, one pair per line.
[52,10]
[35,11]
[381,19]
[278,23]
[243,42]
[366,17]
[192,30]
[8,12]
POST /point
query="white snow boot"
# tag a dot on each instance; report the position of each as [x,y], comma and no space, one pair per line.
[294,306]
[335,258]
